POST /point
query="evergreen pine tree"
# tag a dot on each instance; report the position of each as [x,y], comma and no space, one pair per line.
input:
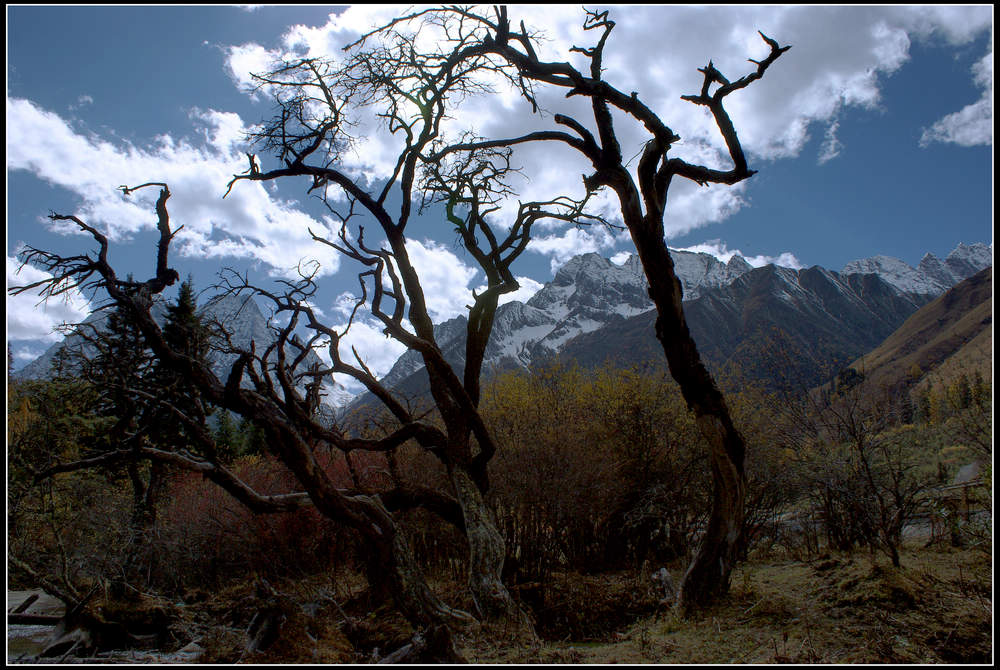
[119,370]
[186,334]
[228,437]
[253,439]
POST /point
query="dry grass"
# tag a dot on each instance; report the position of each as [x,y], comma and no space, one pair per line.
[839,609]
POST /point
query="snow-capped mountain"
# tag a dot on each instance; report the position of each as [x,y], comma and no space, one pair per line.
[593,310]
[587,293]
[932,276]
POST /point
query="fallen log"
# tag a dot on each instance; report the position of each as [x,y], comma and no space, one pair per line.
[433,645]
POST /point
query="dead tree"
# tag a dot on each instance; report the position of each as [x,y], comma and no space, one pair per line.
[274,403]
[412,89]
[308,134]
[642,200]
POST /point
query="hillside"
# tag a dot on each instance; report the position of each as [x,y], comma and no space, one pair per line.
[779,325]
[950,335]
[772,323]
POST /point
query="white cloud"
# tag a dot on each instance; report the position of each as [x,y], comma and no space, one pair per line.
[444,277]
[244,60]
[82,101]
[377,351]
[223,131]
[30,319]
[527,288]
[839,56]
[572,242]
[973,124]
[721,251]
[831,145]
[250,223]
[621,257]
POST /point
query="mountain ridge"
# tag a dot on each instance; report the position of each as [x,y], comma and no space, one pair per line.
[955,330]
[594,310]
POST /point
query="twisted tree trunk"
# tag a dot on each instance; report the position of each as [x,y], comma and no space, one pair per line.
[405,582]
[487,549]
[709,572]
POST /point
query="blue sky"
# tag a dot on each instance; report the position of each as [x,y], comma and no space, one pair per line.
[873,135]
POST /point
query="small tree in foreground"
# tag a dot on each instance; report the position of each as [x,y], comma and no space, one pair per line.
[870,472]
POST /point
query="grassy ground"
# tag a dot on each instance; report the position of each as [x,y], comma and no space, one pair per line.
[838,609]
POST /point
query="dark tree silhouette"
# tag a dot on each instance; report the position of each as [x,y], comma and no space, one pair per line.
[643,201]
[412,91]
[273,403]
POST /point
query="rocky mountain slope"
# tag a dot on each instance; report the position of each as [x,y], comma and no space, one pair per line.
[776,323]
[950,335]
[932,276]
[588,293]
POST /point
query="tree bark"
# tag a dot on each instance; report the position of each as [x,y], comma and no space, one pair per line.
[487,549]
[406,583]
[708,574]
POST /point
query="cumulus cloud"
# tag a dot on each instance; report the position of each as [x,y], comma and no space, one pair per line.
[621,257]
[572,242]
[444,277]
[973,124]
[251,223]
[721,251]
[839,57]
[30,319]
[377,351]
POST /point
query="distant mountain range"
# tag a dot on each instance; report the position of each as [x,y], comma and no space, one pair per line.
[241,317]
[774,323]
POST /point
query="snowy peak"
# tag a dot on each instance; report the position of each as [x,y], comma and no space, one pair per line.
[932,276]
[700,270]
[896,272]
[934,268]
[966,260]
[592,281]
[591,300]
[586,294]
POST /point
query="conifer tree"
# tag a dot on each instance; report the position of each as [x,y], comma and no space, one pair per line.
[186,334]
[228,438]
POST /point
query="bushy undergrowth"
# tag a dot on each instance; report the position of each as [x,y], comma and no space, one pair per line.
[601,479]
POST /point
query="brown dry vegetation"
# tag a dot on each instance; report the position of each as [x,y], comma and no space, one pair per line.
[586,524]
[836,609]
